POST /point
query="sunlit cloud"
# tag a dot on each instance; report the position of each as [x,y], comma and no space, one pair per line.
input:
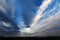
[51,15]
[40,11]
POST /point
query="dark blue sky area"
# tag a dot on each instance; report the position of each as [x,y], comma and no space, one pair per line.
[27,10]
[38,2]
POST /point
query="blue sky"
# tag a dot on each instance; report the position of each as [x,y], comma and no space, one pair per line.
[26,10]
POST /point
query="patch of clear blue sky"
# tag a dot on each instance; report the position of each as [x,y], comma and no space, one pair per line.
[38,2]
[19,9]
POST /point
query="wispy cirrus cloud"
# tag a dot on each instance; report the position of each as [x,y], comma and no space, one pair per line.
[40,11]
[50,13]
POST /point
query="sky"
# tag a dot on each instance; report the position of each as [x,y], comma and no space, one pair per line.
[41,13]
[47,9]
[47,17]
[18,12]
[26,10]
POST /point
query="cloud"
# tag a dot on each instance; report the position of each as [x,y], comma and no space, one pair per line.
[54,11]
[40,11]
[50,22]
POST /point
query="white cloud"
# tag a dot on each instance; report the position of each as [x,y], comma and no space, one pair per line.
[40,11]
[49,22]
[6,24]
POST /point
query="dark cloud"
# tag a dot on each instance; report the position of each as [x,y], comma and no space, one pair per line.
[6,19]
